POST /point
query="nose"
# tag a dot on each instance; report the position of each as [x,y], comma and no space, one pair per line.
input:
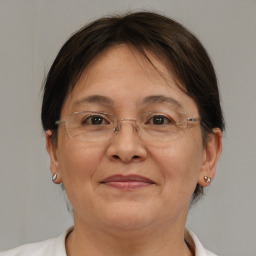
[127,145]
[132,121]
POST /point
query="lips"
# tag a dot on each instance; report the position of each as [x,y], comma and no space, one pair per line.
[127,182]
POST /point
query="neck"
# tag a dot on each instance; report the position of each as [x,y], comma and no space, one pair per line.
[147,242]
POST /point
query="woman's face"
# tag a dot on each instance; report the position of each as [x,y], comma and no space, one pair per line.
[127,182]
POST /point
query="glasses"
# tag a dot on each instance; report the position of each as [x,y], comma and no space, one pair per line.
[101,126]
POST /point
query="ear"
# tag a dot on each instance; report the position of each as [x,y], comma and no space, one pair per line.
[212,151]
[52,152]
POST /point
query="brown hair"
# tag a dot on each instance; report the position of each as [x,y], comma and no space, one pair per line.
[174,45]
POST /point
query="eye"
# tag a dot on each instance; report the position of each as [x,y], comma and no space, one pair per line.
[160,120]
[94,120]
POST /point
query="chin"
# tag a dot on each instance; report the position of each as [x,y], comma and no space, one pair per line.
[128,218]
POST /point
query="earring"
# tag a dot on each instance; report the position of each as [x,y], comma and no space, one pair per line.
[207,179]
[54,177]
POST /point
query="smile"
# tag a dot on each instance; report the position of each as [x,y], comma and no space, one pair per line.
[127,182]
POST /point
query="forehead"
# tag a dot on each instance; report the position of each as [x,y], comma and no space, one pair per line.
[121,74]
[122,60]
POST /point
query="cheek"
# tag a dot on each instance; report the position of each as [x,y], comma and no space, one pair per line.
[78,161]
[179,164]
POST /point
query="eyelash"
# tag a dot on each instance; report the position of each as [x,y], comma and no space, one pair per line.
[168,119]
[90,117]
[102,120]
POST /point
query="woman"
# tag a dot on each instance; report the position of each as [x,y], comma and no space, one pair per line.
[133,127]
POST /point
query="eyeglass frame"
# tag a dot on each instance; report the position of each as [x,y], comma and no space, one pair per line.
[115,129]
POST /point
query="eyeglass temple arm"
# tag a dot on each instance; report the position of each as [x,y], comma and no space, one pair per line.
[60,122]
[193,119]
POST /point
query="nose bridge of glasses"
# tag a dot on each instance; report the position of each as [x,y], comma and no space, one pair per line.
[118,125]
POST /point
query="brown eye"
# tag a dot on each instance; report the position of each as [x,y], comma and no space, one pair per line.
[160,120]
[94,120]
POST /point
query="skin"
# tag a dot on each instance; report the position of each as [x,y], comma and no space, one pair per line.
[147,220]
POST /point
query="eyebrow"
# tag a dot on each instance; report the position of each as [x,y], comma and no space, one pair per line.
[161,99]
[98,99]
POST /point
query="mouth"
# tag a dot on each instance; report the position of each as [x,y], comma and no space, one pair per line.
[127,181]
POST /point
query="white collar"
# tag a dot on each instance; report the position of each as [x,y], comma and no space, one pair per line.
[196,245]
[56,247]
[190,238]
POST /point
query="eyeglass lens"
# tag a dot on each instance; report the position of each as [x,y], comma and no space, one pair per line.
[97,126]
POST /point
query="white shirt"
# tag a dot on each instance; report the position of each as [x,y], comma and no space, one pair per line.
[56,247]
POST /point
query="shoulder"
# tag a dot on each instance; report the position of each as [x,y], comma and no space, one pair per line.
[55,246]
[196,245]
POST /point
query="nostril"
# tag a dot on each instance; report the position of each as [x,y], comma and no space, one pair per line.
[134,157]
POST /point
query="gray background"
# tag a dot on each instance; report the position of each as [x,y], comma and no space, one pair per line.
[31,207]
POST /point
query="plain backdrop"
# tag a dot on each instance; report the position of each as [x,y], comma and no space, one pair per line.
[32,208]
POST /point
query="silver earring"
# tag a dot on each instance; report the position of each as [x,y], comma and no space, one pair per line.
[54,177]
[207,179]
